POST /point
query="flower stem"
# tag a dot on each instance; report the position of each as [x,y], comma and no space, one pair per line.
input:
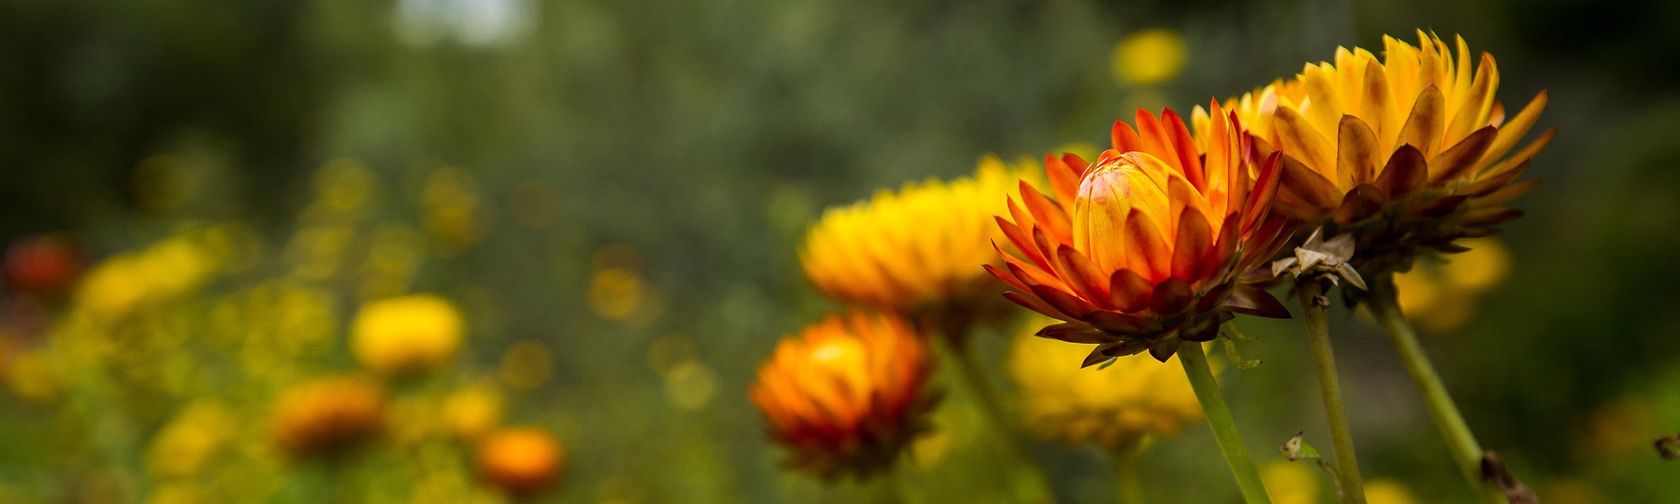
[1219,419]
[1313,305]
[1466,452]
[1128,486]
[1028,482]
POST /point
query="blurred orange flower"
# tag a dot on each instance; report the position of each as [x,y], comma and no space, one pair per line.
[328,414]
[1148,246]
[520,460]
[42,264]
[1409,152]
[847,395]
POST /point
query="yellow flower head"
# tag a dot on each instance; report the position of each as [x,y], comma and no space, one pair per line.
[919,246]
[846,395]
[1111,407]
[328,414]
[1387,491]
[472,411]
[194,437]
[1148,57]
[520,460]
[1408,152]
[406,333]
[1291,482]
[1443,296]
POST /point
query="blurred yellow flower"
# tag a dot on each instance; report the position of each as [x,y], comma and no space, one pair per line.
[1387,491]
[192,438]
[614,293]
[1443,296]
[1111,408]
[915,248]
[1291,482]
[846,395]
[32,375]
[327,414]
[526,365]
[472,411]
[407,333]
[521,460]
[690,385]
[122,283]
[1148,57]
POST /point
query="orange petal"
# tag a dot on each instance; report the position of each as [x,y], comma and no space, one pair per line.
[1423,126]
[1195,238]
[1304,143]
[1404,173]
[1079,273]
[1145,247]
[1129,291]
[1458,160]
[1356,154]
[1123,138]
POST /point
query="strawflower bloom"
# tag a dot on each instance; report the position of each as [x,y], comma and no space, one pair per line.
[1113,408]
[846,395]
[406,333]
[520,461]
[1411,152]
[915,249]
[328,414]
[1148,246]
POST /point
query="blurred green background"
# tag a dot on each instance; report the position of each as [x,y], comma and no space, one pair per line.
[613,192]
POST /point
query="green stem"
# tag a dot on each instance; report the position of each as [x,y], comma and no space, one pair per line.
[1128,486]
[1466,452]
[1219,419]
[1313,305]
[1030,484]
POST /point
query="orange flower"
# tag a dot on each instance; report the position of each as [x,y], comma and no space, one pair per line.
[1155,247]
[520,461]
[1407,152]
[328,414]
[847,395]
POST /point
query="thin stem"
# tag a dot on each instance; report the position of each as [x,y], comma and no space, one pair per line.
[1314,305]
[1030,483]
[1128,486]
[1219,419]
[1466,452]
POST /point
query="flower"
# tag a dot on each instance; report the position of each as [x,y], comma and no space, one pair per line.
[913,249]
[520,460]
[1148,57]
[1409,152]
[328,414]
[846,395]
[1442,296]
[406,333]
[191,439]
[1148,246]
[1291,482]
[471,411]
[1111,407]
[1387,491]
[45,264]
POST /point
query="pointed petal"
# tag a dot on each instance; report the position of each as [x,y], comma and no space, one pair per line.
[1513,130]
[1304,143]
[1250,300]
[1170,297]
[1195,240]
[1458,160]
[1423,127]
[1357,155]
[1075,332]
[1404,173]
[1129,291]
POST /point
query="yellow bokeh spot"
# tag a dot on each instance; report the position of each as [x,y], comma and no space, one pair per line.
[452,209]
[691,385]
[1483,267]
[191,439]
[615,293]
[666,352]
[1148,57]
[1387,491]
[1110,407]
[472,411]
[406,333]
[1291,482]
[526,365]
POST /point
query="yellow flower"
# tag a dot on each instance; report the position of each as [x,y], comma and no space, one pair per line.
[1387,491]
[472,411]
[1409,152]
[1291,482]
[846,395]
[520,460]
[406,333]
[191,439]
[1111,407]
[918,247]
[1444,296]
[1148,57]
[327,414]
[1148,246]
